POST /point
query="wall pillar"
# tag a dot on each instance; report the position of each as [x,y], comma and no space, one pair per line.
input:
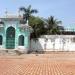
[26,42]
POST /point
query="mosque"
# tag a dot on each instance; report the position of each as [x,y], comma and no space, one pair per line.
[13,34]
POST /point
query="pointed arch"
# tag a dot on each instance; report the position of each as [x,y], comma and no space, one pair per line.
[10,38]
[10,32]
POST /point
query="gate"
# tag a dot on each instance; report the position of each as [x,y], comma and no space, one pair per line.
[10,38]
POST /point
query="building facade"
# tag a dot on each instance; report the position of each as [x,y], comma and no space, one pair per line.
[13,34]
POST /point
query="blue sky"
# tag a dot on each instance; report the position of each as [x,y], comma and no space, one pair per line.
[63,10]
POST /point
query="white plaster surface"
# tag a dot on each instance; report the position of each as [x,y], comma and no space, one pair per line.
[54,43]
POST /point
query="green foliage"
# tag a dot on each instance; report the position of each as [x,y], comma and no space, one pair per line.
[52,25]
[27,12]
[39,25]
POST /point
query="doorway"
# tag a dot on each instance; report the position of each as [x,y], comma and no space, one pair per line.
[10,38]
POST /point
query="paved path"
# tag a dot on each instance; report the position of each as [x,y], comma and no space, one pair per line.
[46,64]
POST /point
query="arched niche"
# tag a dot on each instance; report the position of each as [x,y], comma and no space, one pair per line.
[21,40]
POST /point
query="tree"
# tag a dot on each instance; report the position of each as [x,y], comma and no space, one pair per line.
[27,12]
[52,25]
[38,27]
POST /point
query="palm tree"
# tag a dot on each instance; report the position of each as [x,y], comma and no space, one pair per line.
[38,27]
[52,25]
[27,12]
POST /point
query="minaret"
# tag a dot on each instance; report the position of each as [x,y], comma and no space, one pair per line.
[6,12]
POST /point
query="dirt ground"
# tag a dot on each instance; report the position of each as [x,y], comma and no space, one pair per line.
[38,64]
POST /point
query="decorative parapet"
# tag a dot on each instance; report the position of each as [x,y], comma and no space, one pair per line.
[1,24]
[26,27]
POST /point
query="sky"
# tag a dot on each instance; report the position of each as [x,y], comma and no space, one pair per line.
[63,10]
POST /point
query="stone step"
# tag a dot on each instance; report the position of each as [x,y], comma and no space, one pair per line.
[7,52]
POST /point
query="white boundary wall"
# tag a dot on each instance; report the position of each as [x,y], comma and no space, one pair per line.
[54,43]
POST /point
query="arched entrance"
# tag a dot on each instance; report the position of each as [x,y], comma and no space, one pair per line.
[21,40]
[1,39]
[10,38]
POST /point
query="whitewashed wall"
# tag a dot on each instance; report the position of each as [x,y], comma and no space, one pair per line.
[54,43]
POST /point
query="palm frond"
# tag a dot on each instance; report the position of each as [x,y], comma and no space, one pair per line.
[34,11]
[22,9]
